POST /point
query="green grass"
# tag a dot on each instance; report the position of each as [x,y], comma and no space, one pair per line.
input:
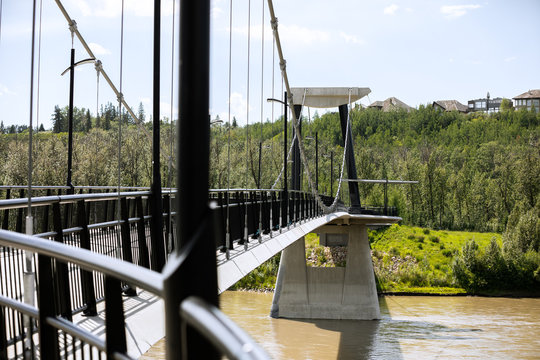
[406,259]
[409,259]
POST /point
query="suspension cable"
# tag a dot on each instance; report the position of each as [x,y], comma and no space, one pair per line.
[120,108]
[97,66]
[227,230]
[171,143]
[30,134]
[75,31]
[39,64]
[283,67]
[273,97]
[1,6]
[247,96]
[262,91]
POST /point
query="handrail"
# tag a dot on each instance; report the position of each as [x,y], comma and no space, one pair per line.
[224,334]
[135,275]
[68,199]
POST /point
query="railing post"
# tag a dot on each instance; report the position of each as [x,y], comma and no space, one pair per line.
[5,221]
[125,233]
[63,298]
[3,335]
[157,248]
[88,292]
[115,337]
[48,336]
[144,258]
[20,215]
[167,208]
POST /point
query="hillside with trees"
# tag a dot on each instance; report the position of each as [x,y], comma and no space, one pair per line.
[476,172]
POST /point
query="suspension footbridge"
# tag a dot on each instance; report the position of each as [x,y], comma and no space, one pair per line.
[85,267]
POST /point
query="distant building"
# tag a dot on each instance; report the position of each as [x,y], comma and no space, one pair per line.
[485,104]
[390,104]
[528,100]
[450,105]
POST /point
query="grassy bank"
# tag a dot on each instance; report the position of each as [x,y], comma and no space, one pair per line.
[406,260]
[416,260]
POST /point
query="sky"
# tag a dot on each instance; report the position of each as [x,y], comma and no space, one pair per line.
[416,50]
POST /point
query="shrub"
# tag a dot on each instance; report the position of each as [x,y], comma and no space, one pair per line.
[426,231]
[420,246]
[394,252]
[434,239]
[420,238]
[447,253]
[441,246]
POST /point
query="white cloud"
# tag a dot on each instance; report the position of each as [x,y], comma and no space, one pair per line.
[216,12]
[510,59]
[5,91]
[97,49]
[290,33]
[391,9]
[295,33]
[351,38]
[454,11]
[165,110]
[112,9]
[238,109]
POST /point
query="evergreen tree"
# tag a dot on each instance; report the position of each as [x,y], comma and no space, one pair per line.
[141,114]
[41,127]
[59,120]
[88,122]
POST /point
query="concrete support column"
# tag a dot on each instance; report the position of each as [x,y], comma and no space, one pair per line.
[327,293]
[359,288]
[291,293]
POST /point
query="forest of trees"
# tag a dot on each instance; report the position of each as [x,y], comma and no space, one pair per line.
[476,172]
[473,169]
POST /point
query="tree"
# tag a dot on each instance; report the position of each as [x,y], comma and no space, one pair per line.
[59,120]
[234,123]
[88,121]
[141,114]
[41,127]
[2,128]
[506,105]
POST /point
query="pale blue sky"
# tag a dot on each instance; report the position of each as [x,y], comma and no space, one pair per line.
[416,50]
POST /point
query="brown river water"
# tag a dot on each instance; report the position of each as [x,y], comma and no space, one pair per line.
[412,327]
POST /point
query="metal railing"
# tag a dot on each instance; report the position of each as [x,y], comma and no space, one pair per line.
[57,337]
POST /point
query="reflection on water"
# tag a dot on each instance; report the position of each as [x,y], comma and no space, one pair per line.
[410,328]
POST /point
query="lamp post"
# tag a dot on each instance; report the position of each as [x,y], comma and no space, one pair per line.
[71,70]
[284,137]
[285,203]
[331,155]
[487,103]
[316,158]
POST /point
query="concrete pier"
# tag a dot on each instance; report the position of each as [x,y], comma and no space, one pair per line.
[328,293]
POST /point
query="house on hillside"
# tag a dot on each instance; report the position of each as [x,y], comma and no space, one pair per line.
[390,104]
[449,105]
[485,104]
[528,100]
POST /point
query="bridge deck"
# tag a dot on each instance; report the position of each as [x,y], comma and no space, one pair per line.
[145,323]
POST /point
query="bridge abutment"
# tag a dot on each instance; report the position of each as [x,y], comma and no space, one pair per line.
[328,293]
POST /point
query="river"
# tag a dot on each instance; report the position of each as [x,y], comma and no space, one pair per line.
[412,327]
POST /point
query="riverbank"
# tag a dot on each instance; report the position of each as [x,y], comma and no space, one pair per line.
[406,260]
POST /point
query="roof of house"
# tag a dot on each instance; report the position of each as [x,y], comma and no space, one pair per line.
[450,105]
[390,104]
[531,94]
